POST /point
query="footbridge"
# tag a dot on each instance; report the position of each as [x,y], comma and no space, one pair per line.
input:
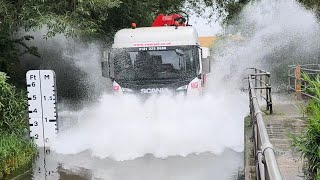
[272,123]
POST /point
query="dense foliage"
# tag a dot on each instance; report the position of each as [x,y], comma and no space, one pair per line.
[13,107]
[141,12]
[309,142]
[15,148]
[78,17]
[11,48]
[226,10]
[312,4]
[93,19]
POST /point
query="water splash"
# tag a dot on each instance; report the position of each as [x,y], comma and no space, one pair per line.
[275,34]
[125,128]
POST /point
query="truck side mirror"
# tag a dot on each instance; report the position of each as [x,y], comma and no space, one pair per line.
[206,63]
[105,64]
[205,52]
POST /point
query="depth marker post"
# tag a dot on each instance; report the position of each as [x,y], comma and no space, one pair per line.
[42,100]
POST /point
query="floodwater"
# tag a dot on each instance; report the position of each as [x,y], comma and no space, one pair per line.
[201,167]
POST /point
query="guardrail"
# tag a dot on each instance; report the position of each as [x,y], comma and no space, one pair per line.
[266,164]
[262,85]
[295,80]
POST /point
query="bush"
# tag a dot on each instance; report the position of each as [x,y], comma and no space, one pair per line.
[308,143]
[15,148]
[13,107]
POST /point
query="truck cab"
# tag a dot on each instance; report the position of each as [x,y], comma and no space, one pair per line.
[153,60]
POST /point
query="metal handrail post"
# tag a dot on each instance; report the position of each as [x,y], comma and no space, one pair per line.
[261,83]
[270,106]
[261,166]
[267,95]
[289,78]
[255,78]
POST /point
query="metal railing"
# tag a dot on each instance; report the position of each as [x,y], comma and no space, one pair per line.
[262,85]
[265,161]
[296,81]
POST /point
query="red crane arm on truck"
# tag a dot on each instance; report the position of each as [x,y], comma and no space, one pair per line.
[169,20]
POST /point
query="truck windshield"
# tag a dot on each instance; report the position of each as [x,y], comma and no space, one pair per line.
[133,64]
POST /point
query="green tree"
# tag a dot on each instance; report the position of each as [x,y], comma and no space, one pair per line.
[79,17]
[89,18]
[71,17]
[312,4]
[226,10]
[141,12]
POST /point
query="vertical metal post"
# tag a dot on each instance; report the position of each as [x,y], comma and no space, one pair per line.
[255,78]
[267,97]
[298,81]
[262,167]
[270,103]
[257,170]
[260,82]
[250,105]
[289,77]
[305,85]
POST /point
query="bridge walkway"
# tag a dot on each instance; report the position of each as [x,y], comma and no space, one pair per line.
[287,120]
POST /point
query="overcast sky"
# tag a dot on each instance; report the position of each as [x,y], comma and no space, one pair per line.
[204,26]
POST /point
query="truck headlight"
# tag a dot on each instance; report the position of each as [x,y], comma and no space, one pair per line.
[182,88]
[127,90]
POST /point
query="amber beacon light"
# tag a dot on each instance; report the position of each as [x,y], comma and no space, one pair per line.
[133,25]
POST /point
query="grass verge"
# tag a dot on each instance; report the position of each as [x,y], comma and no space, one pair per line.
[15,151]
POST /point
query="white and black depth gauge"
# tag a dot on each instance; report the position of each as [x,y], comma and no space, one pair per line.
[42,100]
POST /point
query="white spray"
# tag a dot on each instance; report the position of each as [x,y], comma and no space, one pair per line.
[276,33]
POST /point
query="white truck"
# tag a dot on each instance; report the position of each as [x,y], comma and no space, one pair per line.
[165,57]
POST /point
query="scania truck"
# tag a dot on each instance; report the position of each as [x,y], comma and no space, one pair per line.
[163,58]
